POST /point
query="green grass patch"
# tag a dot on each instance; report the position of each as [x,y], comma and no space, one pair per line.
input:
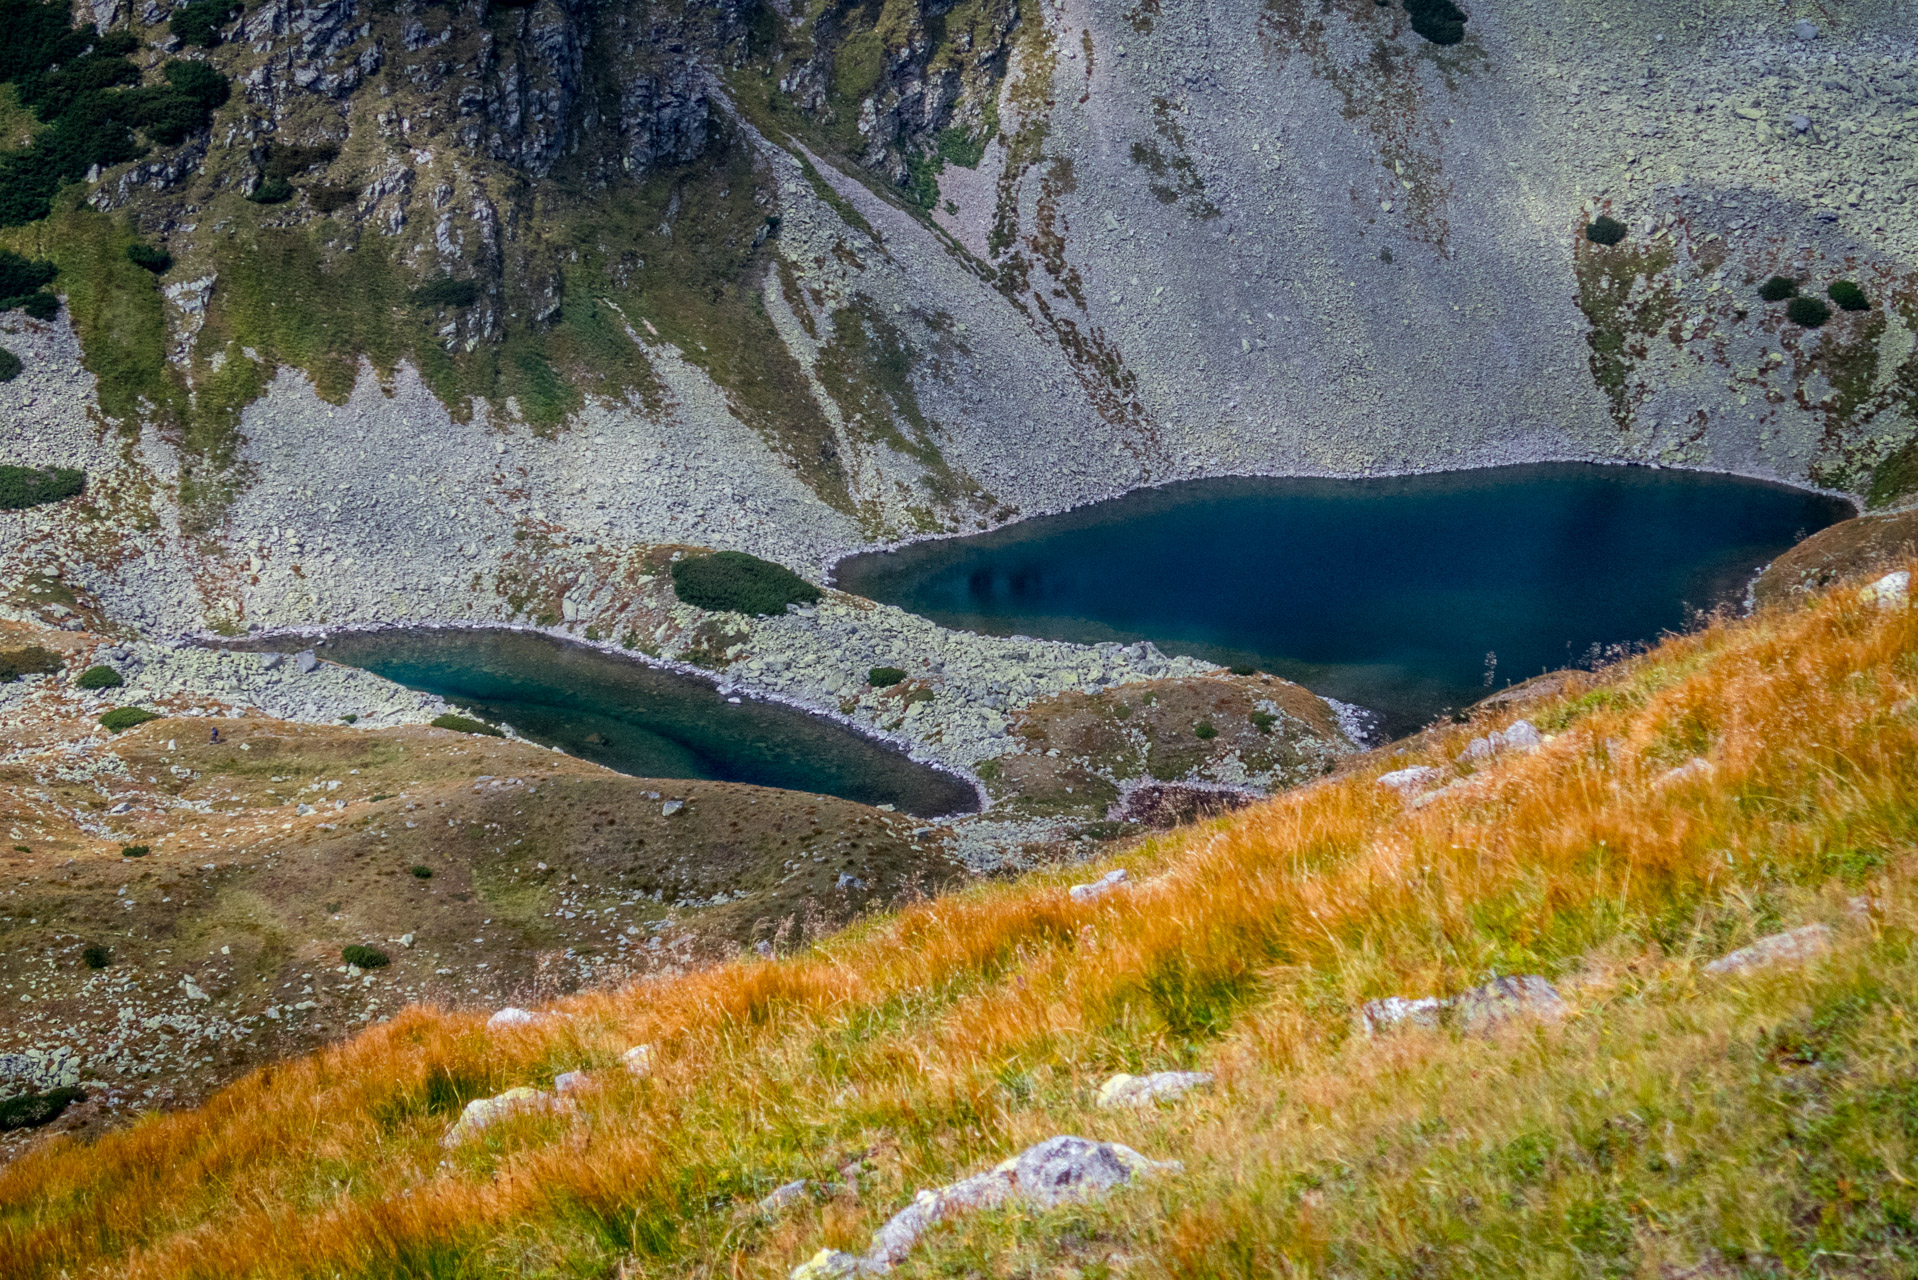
[22,487]
[1809,313]
[33,660]
[465,724]
[1605,230]
[1778,288]
[120,719]
[1848,296]
[735,582]
[364,956]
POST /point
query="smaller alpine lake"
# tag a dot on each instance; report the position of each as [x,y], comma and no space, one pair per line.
[1408,595]
[643,720]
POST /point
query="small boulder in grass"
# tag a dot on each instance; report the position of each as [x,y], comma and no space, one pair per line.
[568,1083]
[1105,884]
[1142,1091]
[1412,779]
[1892,591]
[481,1113]
[510,1017]
[638,1059]
[1485,1008]
[1794,946]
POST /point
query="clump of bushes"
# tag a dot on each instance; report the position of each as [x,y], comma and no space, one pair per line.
[1605,229]
[100,677]
[34,486]
[884,677]
[97,956]
[22,282]
[463,724]
[1204,731]
[82,85]
[34,660]
[1778,288]
[10,366]
[145,255]
[30,1110]
[363,956]
[135,851]
[447,293]
[120,719]
[1808,312]
[734,582]
[423,873]
[201,21]
[1439,21]
[1848,296]
[272,191]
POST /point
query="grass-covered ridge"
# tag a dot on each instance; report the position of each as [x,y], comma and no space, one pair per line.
[1675,1121]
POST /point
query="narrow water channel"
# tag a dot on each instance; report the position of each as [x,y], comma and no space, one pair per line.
[643,720]
[1408,595]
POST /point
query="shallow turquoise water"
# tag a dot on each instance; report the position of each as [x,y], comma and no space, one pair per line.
[1409,595]
[645,721]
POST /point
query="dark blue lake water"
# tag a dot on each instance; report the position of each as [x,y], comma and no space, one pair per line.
[1409,596]
[643,720]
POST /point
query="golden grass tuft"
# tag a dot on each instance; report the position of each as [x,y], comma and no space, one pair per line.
[1676,1124]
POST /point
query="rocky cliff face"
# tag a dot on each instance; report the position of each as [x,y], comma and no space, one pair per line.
[604,278]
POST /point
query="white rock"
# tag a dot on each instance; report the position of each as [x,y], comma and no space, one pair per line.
[1696,767]
[638,1059]
[1406,781]
[1889,592]
[482,1112]
[511,1017]
[567,1083]
[192,990]
[671,807]
[1503,999]
[1139,1091]
[1397,1011]
[1052,1172]
[1794,946]
[782,1196]
[1100,887]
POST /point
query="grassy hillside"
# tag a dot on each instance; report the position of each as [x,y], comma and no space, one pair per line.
[1675,1124]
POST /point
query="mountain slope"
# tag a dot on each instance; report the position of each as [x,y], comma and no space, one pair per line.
[1754,776]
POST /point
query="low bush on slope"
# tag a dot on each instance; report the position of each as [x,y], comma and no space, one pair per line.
[1676,1123]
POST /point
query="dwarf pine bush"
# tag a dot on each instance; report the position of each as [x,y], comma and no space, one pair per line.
[734,582]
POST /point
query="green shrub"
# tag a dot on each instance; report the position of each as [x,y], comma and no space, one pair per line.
[200,81]
[1809,312]
[1778,288]
[1204,730]
[99,678]
[20,276]
[272,191]
[1848,296]
[423,873]
[883,677]
[34,660]
[145,255]
[447,293]
[97,956]
[30,1110]
[1439,21]
[41,306]
[33,487]
[121,719]
[364,957]
[200,22]
[135,851]
[1604,229]
[351,717]
[464,725]
[1244,669]
[1263,721]
[10,366]
[734,582]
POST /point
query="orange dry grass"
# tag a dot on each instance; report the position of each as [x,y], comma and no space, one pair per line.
[945,1036]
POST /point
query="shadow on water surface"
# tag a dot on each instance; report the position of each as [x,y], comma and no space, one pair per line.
[1409,595]
[640,719]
